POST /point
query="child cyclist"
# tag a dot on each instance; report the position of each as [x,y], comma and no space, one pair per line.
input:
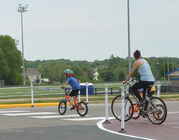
[74,83]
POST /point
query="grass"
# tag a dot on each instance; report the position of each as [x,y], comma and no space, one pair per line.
[91,98]
[45,94]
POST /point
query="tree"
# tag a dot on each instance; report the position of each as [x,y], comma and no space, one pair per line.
[10,61]
[121,76]
[109,76]
[89,74]
[56,73]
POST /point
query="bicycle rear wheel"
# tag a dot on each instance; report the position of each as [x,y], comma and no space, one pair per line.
[116,108]
[83,110]
[156,110]
[62,107]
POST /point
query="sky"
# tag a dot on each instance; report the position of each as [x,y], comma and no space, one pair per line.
[92,29]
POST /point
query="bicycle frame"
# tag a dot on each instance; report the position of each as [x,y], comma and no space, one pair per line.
[67,90]
[147,99]
[154,108]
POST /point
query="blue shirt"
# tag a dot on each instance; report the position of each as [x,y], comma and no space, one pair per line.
[74,83]
[145,72]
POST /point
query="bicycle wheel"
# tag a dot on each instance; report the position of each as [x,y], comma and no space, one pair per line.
[136,113]
[116,108]
[156,110]
[83,110]
[62,107]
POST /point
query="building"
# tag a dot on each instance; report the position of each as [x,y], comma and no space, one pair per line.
[95,74]
[174,77]
[33,74]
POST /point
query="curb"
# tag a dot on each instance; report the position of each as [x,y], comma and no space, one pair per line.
[30,105]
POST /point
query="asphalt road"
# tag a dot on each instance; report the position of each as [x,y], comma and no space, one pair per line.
[44,123]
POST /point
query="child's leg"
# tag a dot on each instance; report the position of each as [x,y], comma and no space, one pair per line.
[73,95]
[74,99]
[71,100]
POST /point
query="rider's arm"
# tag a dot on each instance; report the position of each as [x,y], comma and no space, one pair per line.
[132,72]
[64,84]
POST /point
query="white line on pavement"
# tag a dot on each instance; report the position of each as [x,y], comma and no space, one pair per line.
[88,119]
[26,114]
[15,111]
[57,116]
[100,125]
[173,112]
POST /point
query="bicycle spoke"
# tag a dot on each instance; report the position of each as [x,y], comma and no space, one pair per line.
[116,108]
[82,108]
[157,111]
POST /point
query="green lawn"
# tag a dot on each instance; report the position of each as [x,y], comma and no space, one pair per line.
[55,93]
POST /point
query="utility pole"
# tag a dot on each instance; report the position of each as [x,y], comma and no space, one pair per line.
[22,9]
[129,49]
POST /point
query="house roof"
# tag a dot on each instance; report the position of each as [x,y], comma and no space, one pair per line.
[32,71]
[173,73]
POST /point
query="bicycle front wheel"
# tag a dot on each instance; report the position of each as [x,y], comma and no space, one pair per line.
[136,113]
[83,109]
[116,108]
[62,107]
[156,110]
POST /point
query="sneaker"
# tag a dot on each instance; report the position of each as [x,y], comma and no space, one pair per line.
[141,103]
[72,108]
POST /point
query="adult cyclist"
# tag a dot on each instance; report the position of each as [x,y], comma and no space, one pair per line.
[74,83]
[146,76]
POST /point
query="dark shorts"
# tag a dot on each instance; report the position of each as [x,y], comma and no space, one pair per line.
[74,92]
[139,85]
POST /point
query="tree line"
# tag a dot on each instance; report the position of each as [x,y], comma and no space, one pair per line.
[112,69]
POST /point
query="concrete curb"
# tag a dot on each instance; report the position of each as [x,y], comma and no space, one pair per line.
[30,105]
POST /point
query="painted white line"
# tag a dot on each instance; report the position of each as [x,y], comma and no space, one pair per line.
[27,114]
[173,112]
[51,117]
[100,125]
[15,111]
[88,119]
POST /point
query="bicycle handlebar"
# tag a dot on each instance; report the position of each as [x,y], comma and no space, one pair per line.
[65,88]
[130,80]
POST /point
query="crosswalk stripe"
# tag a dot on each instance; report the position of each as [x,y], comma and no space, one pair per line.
[88,119]
[15,111]
[26,114]
[52,117]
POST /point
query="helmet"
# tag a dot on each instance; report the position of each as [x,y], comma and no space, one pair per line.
[68,72]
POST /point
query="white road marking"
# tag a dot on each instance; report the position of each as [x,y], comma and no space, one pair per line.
[26,114]
[173,112]
[57,116]
[88,119]
[14,111]
[100,125]
[176,127]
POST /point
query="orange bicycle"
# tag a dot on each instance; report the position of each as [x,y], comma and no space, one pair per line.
[81,107]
